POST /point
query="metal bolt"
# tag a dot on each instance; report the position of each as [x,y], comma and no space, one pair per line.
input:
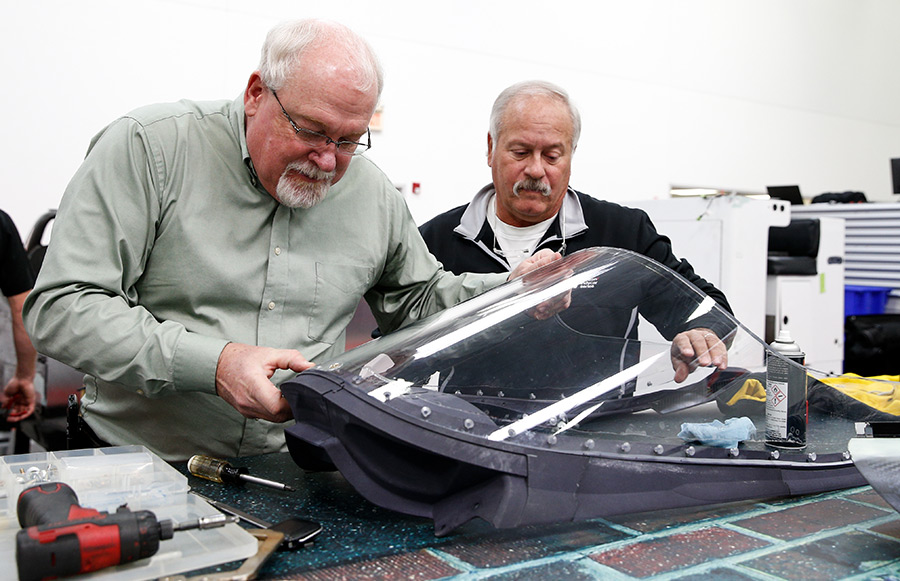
[774,454]
[733,452]
[469,423]
[479,393]
[499,394]
[658,449]
[426,411]
[811,457]
[689,451]
[845,455]
[625,447]
[551,439]
[588,444]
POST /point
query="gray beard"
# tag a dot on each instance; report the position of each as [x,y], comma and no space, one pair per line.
[297,194]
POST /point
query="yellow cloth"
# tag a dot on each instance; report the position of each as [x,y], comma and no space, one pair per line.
[752,389]
[878,392]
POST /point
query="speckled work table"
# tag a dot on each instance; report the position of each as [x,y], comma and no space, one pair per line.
[850,534]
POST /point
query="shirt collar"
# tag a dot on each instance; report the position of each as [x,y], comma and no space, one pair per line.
[474,219]
[239,126]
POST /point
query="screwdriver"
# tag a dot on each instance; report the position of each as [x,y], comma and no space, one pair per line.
[222,471]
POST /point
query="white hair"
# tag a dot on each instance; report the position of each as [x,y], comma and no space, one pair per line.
[286,44]
[533,88]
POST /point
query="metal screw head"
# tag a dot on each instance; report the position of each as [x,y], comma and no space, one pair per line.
[774,454]
[551,439]
[426,411]
[588,444]
[811,457]
[469,423]
[734,452]
[625,447]
[658,449]
[689,451]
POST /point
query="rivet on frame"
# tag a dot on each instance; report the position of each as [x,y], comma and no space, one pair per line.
[551,439]
[658,449]
[532,396]
[811,457]
[469,423]
[625,447]
[845,455]
[500,394]
[479,393]
[733,452]
[588,444]
[689,451]
[426,411]
[774,454]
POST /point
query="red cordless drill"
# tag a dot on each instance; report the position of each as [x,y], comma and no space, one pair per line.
[59,537]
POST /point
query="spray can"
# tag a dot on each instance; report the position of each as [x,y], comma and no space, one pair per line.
[786,407]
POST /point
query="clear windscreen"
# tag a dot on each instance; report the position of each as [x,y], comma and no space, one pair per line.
[592,348]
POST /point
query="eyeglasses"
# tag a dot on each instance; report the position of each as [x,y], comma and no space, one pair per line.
[317,140]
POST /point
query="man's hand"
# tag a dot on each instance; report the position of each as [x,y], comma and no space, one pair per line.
[242,379]
[540,258]
[694,348]
[19,398]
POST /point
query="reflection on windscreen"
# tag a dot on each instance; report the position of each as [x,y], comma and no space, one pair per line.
[582,350]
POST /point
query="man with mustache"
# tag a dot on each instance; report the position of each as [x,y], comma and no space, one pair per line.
[206,251]
[530,207]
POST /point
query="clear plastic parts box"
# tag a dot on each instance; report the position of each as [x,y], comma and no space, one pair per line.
[106,478]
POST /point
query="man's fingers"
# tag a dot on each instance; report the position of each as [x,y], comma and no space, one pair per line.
[243,379]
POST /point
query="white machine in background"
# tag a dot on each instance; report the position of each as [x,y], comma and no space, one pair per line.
[811,306]
[725,238]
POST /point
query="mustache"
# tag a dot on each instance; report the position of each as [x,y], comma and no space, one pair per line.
[533,185]
[310,170]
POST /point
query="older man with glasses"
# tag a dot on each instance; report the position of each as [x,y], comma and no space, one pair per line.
[206,251]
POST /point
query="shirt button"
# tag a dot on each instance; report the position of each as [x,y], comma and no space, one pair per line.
[271,305]
[278,251]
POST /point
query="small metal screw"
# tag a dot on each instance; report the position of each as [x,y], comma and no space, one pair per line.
[689,451]
[469,423]
[625,447]
[733,452]
[774,454]
[658,449]
[551,439]
[426,411]
[588,444]
[811,457]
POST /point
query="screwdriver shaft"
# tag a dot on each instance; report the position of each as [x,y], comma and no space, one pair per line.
[264,482]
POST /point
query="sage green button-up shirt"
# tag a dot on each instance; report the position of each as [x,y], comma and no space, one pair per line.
[165,248]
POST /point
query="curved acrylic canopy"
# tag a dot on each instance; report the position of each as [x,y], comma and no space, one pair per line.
[554,398]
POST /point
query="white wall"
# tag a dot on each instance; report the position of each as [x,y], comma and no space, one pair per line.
[736,95]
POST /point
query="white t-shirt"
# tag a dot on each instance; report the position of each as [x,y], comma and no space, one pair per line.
[515,243]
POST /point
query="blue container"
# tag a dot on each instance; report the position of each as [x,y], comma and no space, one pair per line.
[865,300]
